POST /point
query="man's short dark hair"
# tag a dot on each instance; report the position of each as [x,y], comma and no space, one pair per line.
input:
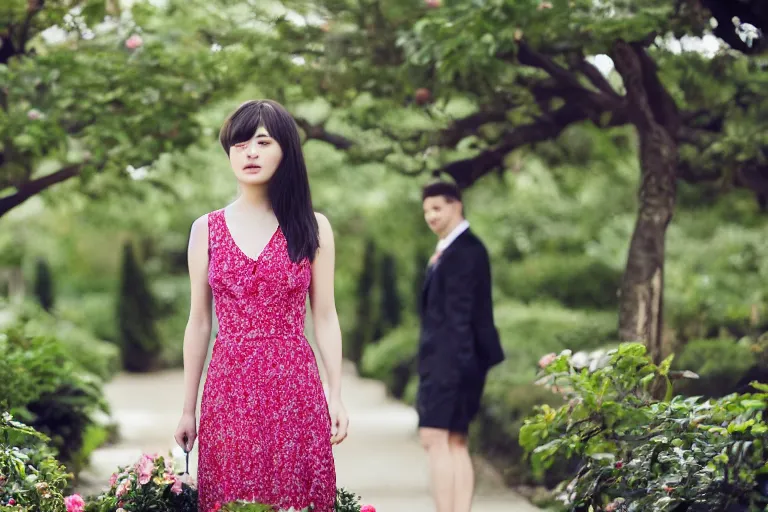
[442,188]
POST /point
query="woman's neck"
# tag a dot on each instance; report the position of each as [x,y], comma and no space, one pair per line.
[254,199]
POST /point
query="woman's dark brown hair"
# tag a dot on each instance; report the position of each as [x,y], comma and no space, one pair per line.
[288,190]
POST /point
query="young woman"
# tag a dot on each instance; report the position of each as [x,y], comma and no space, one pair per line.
[266,428]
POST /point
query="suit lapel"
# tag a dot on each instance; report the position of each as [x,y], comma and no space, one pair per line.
[433,269]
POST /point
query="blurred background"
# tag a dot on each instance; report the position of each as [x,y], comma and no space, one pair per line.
[109,117]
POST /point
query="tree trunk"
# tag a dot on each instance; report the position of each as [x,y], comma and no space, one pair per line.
[641,301]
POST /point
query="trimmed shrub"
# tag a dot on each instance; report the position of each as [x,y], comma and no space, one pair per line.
[362,334]
[44,284]
[574,280]
[136,314]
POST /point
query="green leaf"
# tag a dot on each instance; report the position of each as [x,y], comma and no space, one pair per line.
[754,404]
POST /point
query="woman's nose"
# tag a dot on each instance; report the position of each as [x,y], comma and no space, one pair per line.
[253,149]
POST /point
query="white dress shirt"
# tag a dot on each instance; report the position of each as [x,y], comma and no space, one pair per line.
[453,235]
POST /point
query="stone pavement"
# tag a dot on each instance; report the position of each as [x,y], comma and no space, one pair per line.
[381,460]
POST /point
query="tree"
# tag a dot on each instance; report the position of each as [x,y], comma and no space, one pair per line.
[136,316]
[44,285]
[91,91]
[520,73]
[365,319]
[390,303]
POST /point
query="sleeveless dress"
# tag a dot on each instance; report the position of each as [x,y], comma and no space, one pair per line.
[265,432]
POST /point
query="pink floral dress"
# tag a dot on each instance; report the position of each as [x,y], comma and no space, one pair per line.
[264,431]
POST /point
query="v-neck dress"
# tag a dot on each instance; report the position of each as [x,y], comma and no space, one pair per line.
[265,432]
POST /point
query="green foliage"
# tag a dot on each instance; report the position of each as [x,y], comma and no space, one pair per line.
[92,312]
[495,434]
[392,360]
[528,331]
[90,355]
[346,501]
[575,280]
[31,479]
[642,454]
[716,279]
[139,340]
[100,94]
[720,364]
[44,285]
[45,385]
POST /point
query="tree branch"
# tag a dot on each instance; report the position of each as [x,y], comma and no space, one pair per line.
[33,7]
[468,171]
[568,80]
[319,132]
[662,103]
[33,187]
[530,57]
[629,67]
[460,128]
[597,79]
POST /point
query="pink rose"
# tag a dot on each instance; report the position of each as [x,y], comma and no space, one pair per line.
[134,42]
[124,487]
[367,508]
[547,360]
[74,503]
[113,479]
[176,487]
[145,468]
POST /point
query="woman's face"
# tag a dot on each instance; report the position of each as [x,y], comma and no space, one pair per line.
[255,161]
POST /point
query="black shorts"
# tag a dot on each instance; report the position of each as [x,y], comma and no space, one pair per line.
[447,407]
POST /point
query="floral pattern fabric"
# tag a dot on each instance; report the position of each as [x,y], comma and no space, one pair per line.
[264,432]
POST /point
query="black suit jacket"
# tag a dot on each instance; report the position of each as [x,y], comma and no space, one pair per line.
[458,339]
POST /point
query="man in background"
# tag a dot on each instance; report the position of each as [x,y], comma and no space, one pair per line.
[458,344]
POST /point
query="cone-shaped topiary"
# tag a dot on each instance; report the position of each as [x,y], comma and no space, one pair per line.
[44,290]
[136,316]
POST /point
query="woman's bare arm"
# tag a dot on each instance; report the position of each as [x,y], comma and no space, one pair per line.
[197,335]
[323,304]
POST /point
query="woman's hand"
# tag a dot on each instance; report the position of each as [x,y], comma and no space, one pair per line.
[186,432]
[339,421]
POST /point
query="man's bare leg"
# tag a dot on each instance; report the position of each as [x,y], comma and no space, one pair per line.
[464,475]
[435,442]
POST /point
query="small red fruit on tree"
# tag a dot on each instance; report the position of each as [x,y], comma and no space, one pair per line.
[423,96]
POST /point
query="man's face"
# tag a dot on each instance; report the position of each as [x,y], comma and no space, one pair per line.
[441,215]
